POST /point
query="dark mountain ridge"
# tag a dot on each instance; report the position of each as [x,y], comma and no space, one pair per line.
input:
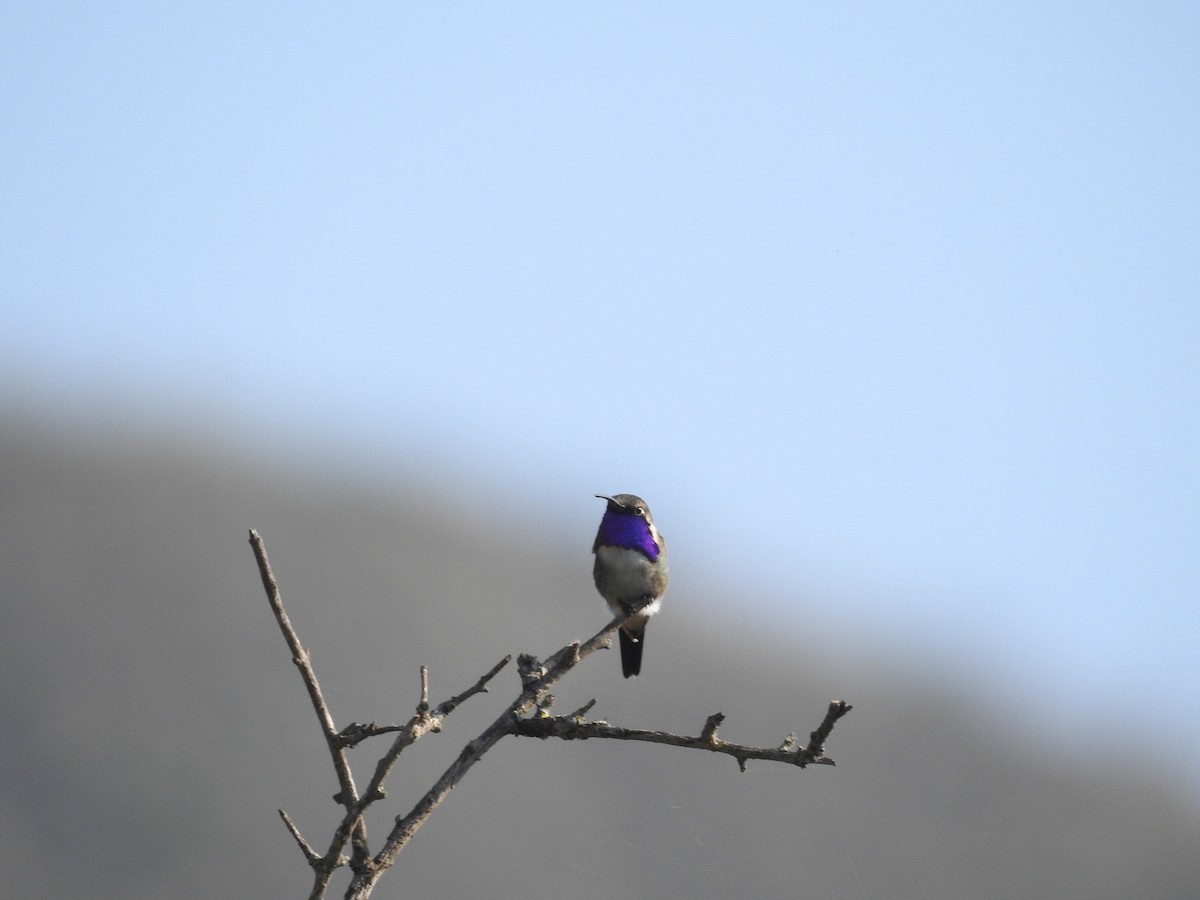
[152,722]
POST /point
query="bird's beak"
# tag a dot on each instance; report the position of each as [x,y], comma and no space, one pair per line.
[608,498]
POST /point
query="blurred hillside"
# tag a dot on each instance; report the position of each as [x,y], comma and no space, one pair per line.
[151,722]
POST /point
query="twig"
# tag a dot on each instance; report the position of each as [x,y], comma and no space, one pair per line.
[355,733]
[303,661]
[313,857]
[412,731]
[480,687]
[815,750]
[347,794]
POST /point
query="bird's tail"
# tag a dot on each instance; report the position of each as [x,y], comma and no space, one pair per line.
[631,651]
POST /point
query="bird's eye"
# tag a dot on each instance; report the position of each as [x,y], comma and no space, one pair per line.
[641,510]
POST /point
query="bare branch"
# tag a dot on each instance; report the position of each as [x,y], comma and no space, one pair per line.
[357,732]
[537,678]
[571,728]
[303,661]
[528,715]
[299,654]
[347,794]
[421,724]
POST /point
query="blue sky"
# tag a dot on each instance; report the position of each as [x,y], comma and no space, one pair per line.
[892,304]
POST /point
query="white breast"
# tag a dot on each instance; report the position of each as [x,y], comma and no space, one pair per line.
[629,577]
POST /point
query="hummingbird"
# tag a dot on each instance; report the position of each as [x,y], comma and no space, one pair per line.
[630,570]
